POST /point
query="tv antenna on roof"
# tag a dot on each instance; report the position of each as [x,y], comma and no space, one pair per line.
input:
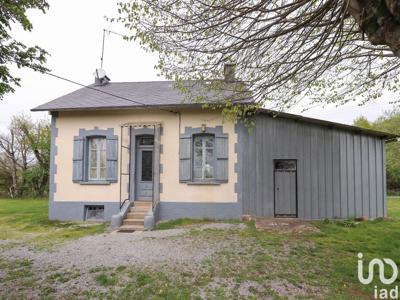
[104,39]
[100,77]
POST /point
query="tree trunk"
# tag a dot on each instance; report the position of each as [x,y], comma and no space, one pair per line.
[379,20]
[14,186]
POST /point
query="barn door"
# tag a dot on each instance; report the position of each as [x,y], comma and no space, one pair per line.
[285,181]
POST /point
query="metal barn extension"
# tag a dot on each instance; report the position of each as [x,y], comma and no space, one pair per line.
[340,170]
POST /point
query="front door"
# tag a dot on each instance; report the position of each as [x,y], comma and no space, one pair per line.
[285,178]
[144,168]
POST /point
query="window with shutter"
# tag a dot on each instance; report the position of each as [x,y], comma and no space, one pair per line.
[95,157]
[203,156]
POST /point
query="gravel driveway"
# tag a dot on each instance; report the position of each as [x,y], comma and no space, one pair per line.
[113,249]
[208,261]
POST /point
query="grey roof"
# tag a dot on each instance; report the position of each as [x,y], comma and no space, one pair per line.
[163,94]
[137,94]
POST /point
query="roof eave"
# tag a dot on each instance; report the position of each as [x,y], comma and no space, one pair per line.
[384,135]
[179,105]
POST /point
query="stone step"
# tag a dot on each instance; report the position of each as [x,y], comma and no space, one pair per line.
[141,206]
[130,228]
[136,215]
[139,210]
[141,203]
[133,222]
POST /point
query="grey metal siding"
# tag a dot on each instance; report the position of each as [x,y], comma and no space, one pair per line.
[340,174]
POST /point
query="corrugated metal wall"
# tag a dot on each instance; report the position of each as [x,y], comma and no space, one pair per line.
[340,174]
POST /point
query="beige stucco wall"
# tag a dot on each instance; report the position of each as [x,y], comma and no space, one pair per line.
[69,123]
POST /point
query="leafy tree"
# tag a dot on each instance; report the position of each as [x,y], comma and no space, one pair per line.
[363,122]
[388,122]
[25,158]
[6,183]
[13,51]
[328,51]
[37,136]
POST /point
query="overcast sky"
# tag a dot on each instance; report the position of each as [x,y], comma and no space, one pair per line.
[71,31]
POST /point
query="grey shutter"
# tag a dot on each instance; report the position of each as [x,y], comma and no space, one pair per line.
[112,158]
[77,158]
[221,158]
[185,161]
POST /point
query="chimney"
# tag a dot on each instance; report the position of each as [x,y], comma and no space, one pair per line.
[100,77]
[229,72]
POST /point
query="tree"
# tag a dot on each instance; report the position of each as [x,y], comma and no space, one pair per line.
[285,51]
[388,122]
[37,136]
[25,157]
[5,176]
[13,159]
[363,122]
[13,51]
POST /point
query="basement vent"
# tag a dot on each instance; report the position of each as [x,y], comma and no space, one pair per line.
[94,212]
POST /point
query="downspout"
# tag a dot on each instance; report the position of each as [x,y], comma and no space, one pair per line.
[152,173]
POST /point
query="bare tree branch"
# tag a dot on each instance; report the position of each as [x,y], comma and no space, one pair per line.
[284,51]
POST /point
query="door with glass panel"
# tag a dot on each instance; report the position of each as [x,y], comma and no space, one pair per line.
[144,168]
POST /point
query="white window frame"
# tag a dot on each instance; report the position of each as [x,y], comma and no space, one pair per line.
[98,158]
[204,155]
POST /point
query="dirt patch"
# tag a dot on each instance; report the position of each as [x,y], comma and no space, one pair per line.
[291,291]
[232,289]
[285,225]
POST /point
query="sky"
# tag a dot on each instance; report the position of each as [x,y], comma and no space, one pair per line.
[71,31]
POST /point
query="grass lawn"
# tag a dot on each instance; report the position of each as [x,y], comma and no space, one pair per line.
[266,264]
[27,220]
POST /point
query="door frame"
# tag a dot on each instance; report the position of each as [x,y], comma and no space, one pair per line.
[138,149]
[134,135]
[296,188]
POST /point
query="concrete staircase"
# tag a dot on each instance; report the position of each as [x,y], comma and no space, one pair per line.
[134,220]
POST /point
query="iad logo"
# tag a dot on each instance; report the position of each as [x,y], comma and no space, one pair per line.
[381,264]
[381,268]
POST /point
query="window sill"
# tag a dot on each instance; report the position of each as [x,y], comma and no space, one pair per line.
[105,182]
[203,183]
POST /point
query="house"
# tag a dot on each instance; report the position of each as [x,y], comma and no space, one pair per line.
[136,153]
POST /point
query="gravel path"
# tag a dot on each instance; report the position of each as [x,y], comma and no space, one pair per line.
[113,249]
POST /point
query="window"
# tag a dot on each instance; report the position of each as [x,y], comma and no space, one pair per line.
[147,166]
[203,157]
[94,212]
[285,165]
[97,158]
[146,140]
